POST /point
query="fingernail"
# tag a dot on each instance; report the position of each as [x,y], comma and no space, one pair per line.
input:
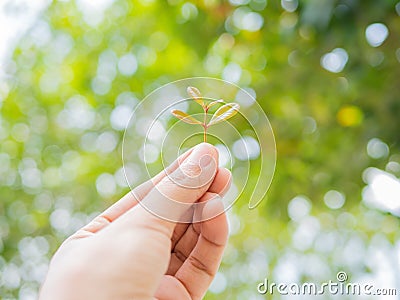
[205,160]
[201,155]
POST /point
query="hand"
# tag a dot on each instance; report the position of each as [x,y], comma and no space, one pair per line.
[129,253]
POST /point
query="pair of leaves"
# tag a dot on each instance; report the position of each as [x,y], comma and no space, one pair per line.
[195,94]
[223,113]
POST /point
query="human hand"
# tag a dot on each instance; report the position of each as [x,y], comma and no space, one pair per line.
[129,253]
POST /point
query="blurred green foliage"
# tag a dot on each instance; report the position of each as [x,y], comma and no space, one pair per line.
[329,86]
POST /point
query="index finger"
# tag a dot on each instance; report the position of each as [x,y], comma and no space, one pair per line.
[133,197]
[127,202]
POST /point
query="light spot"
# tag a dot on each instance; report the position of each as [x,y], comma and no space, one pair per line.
[101,85]
[335,61]
[50,81]
[349,115]
[149,153]
[120,116]
[232,72]
[375,58]
[398,54]
[31,177]
[219,283]
[226,41]
[288,21]
[334,199]
[105,185]
[159,41]
[213,64]
[310,125]
[60,219]
[245,98]
[393,166]
[128,175]
[106,142]
[127,64]
[11,277]
[51,177]
[289,5]
[306,232]
[189,11]
[20,132]
[88,141]
[107,65]
[376,34]
[383,191]
[234,223]
[156,132]
[239,2]
[93,12]
[377,149]
[247,20]
[247,148]
[76,114]
[299,207]
[146,56]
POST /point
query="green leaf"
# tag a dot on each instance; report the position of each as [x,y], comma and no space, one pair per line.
[224,113]
[185,117]
[214,102]
[195,94]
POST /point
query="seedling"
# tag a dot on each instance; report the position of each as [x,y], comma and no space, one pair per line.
[223,113]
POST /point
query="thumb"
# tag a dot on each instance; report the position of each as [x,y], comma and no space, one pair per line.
[175,194]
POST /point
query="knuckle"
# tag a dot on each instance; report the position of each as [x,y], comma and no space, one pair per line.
[200,265]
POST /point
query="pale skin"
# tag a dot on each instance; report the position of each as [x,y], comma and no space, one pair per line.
[129,253]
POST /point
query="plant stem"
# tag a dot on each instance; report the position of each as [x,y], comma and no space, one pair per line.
[205,125]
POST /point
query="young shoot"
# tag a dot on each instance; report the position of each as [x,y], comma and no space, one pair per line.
[223,113]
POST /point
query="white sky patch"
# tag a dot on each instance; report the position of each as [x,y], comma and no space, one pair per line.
[382,192]
[16,17]
[93,11]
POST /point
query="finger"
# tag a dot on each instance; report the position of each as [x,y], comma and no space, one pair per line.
[179,231]
[164,205]
[128,201]
[137,194]
[187,242]
[171,288]
[221,183]
[200,267]
[220,186]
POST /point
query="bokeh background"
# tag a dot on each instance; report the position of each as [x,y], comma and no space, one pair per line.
[326,72]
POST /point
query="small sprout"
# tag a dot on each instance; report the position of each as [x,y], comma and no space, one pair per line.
[223,113]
